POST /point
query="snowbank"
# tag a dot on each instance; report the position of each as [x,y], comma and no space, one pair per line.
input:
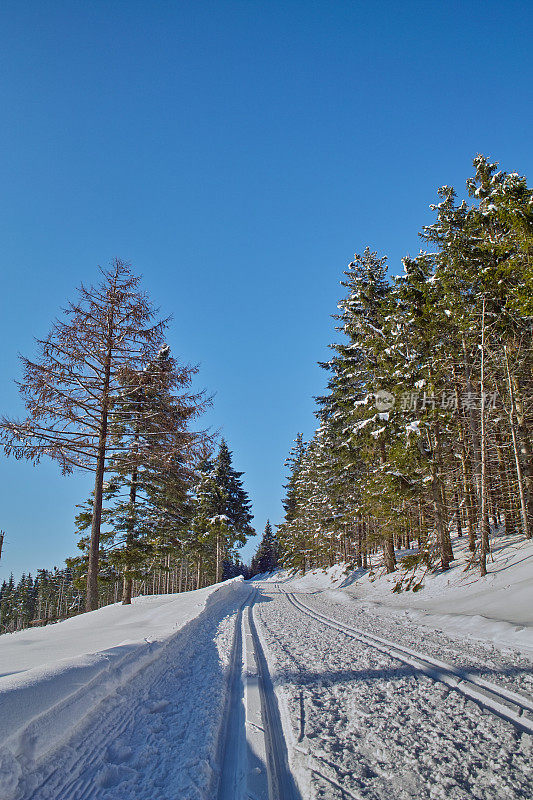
[51,677]
[497,608]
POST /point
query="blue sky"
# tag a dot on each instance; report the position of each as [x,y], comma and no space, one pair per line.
[237,153]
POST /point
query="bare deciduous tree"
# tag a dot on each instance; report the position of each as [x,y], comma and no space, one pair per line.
[69,389]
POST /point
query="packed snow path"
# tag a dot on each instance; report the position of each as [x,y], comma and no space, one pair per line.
[506,704]
[369,720]
[255,760]
[272,694]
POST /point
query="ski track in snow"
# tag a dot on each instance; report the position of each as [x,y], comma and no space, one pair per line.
[354,721]
[156,738]
[506,667]
[364,725]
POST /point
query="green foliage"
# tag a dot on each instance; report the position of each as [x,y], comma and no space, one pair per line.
[398,436]
[51,596]
[221,516]
[266,559]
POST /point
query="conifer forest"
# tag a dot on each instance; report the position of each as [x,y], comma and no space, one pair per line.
[425,428]
[426,425]
[266,416]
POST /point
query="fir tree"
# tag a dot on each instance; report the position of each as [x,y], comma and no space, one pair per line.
[222,510]
[266,557]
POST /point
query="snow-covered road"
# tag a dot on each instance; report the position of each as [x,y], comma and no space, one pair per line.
[270,692]
[366,724]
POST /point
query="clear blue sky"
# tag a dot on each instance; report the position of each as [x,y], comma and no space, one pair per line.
[237,153]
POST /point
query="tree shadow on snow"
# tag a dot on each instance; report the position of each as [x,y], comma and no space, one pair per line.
[395,673]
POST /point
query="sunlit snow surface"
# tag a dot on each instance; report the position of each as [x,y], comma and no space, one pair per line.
[128,703]
[363,724]
[497,608]
[87,704]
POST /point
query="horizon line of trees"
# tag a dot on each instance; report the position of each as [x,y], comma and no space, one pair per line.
[56,594]
[426,426]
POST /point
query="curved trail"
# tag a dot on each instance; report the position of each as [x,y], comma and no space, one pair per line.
[510,706]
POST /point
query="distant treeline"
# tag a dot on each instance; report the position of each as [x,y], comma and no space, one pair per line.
[57,594]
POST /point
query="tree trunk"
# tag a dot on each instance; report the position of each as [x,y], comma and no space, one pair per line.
[389,556]
[439,523]
[457,514]
[484,518]
[364,542]
[217,568]
[507,493]
[473,421]
[468,486]
[525,486]
[127,585]
[359,555]
[94,548]
[445,545]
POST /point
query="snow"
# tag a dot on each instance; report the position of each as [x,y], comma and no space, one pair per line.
[362,424]
[152,617]
[364,724]
[129,703]
[218,518]
[55,677]
[497,608]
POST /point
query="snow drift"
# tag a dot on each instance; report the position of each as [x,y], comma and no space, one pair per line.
[51,678]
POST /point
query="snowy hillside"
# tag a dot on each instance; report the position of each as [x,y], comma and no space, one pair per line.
[497,608]
[54,677]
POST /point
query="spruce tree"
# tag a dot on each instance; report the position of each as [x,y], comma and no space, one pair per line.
[266,557]
[154,469]
[222,514]
[426,426]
